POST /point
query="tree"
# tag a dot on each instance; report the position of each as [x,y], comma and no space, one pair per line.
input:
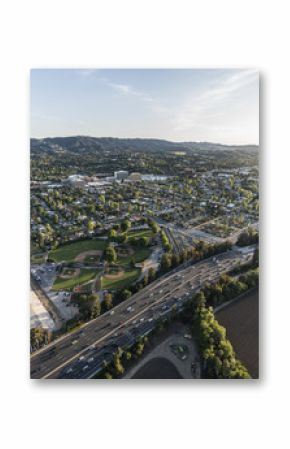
[175,260]
[88,304]
[95,306]
[108,300]
[102,199]
[144,241]
[110,254]
[153,225]
[139,348]
[91,225]
[166,261]
[125,294]
[118,365]
[151,274]
[125,225]
[145,280]
[128,355]
[112,234]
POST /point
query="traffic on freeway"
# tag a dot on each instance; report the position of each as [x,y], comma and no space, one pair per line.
[82,353]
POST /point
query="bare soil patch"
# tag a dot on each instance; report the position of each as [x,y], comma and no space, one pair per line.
[241,320]
[123,251]
[69,273]
[115,273]
[82,256]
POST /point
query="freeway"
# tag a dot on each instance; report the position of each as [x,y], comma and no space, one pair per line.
[82,353]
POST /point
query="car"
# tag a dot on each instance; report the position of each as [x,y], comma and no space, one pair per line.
[112,312]
[81,357]
[85,367]
[91,359]
[188,336]
[69,370]
[74,342]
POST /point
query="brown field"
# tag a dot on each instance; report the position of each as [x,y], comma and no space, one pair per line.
[241,320]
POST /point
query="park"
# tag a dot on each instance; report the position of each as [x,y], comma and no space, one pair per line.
[86,265]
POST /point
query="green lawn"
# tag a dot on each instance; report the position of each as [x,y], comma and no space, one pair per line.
[139,255]
[68,284]
[37,258]
[123,282]
[70,251]
[139,234]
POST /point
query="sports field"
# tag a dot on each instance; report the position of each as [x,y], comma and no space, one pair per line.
[89,252]
[70,251]
[85,275]
[140,233]
[122,280]
[138,254]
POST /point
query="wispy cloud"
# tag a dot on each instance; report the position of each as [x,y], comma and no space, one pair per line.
[120,88]
[209,105]
[126,89]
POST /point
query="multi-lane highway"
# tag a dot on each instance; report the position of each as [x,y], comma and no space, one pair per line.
[82,353]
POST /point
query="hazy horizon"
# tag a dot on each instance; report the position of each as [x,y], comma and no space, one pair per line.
[142,138]
[179,105]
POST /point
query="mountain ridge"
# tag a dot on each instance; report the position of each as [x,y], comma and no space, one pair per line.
[82,143]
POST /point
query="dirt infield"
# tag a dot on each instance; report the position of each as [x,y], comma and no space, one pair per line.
[76,272]
[123,251]
[112,276]
[81,257]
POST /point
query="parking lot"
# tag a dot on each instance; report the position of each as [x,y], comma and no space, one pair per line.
[45,276]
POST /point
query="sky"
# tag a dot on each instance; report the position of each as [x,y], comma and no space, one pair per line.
[212,105]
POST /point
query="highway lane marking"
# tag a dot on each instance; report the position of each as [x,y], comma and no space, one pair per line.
[171,277]
[118,328]
[106,314]
[155,285]
[156,302]
[106,336]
